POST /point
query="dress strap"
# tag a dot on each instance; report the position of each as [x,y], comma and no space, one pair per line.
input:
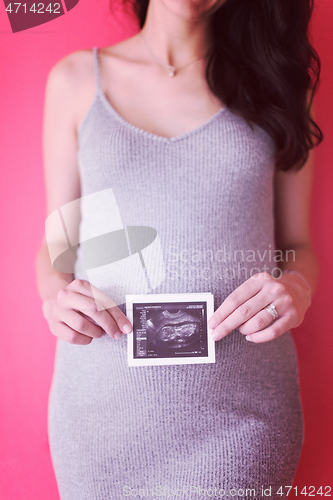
[97,68]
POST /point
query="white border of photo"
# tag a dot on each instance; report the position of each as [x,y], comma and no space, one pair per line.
[208,298]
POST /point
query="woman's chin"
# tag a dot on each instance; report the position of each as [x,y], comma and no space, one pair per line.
[192,10]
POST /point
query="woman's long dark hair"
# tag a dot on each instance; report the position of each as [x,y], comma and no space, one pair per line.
[263,68]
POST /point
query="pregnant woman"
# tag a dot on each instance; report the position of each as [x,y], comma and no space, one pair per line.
[201,127]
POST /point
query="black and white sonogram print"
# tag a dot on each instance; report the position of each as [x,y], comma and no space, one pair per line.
[170,330]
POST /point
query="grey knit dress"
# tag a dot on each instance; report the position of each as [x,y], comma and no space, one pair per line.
[228,429]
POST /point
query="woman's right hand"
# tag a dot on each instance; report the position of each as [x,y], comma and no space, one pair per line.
[71,312]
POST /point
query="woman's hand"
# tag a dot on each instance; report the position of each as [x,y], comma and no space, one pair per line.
[71,312]
[245,308]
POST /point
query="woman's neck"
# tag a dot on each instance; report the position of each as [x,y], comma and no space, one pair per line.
[176,36]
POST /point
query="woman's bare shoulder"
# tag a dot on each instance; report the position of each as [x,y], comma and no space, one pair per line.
[77,68]
[72,81]
[74,70]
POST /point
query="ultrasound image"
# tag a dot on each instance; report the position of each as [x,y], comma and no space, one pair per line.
[170,330]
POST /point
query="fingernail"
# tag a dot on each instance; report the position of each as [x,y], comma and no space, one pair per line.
[127,328]
[215,335]
[248,337]
[117,335]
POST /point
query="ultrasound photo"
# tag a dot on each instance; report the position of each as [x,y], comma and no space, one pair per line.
[170,331]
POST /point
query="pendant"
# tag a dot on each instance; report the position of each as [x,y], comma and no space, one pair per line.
[172,71]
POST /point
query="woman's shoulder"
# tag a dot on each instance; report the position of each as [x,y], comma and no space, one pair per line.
[78,67]
[70,88]
[71,83]
[74,69]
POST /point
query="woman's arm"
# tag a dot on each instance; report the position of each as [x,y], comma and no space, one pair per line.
[245,308]
[69,304]
[292,225]
[60,168]
[292,222]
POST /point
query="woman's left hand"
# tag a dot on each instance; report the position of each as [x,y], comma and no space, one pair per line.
[245,308]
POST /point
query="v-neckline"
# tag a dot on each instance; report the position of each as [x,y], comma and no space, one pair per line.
[108,106]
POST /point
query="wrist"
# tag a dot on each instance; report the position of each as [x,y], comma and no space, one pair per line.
[47,306]
[300,276]
[299,283]
[49,301]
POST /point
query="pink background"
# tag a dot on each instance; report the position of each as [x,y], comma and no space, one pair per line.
[27,347]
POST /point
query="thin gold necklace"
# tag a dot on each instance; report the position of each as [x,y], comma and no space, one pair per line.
[172,69]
